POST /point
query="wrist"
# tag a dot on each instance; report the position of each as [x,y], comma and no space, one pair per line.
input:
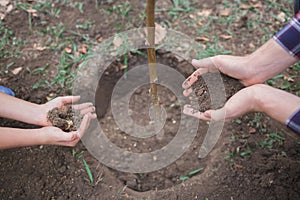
[41,118]
[258,99]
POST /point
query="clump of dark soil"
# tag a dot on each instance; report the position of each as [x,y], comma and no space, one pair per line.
[65,118]
[231,86]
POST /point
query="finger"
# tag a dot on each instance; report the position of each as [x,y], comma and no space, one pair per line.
[82,106]
[188,110]
[87,110]
[69,99]
[194,77]
[217,115]
[71,143]
[84,124]
[187,92]
[67,136]
[203,63]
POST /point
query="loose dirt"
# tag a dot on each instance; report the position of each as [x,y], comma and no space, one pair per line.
[65,118]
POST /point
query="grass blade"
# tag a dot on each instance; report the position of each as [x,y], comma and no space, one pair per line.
[194,172]
[88,171]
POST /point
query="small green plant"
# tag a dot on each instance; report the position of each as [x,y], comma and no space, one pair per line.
[88,171]
[271,139]
[122,9]
[86,26]
[190,174]
[9,43]
[85,164]
[246,153]
[258,122]
[180,6]
[230,157]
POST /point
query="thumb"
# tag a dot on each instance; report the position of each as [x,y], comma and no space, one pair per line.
[69,99]
[216,115]
[203,63]
[67,137]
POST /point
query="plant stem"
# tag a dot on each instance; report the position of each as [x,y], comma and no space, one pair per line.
[151,51]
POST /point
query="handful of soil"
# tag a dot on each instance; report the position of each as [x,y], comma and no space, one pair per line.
[231,86]
[65,119]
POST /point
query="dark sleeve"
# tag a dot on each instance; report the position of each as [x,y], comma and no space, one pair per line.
[293,122]
[289,36]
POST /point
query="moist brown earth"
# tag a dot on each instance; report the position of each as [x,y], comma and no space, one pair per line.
[65,118]
[231,86]
[255,157]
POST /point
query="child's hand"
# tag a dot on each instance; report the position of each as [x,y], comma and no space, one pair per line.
[60,102]
[55,136]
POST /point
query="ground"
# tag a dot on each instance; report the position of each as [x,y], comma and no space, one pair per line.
[44,43]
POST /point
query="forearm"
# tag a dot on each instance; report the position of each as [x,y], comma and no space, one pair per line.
[268,61]
[18,109]
[13,137]
[276,103]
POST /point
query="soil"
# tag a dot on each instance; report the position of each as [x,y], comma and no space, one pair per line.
[231,86]
[65,118]
[255,158]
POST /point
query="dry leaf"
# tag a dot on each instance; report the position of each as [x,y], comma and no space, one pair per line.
[252,130]
[225,12]
[205,12]
[251,46]
[192,16]
[281,16]
[2,16]
[256,5]
[17,70]
[244,6]
[51,96]
[123,67]
[35,46]
[30,10]
[289,79]
[225,37]
[68,50]
[99,39]
[83,49]
[239,166]
[201,39]
[9,8]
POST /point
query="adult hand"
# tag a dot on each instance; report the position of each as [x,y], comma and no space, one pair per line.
[233,66]
[60,103]
[267,61]
[55,136]
[242,102]
[276,103]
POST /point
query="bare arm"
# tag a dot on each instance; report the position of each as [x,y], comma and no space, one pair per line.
[276,103]
[18,109]
[14,137]
[267,61]
[24,111]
